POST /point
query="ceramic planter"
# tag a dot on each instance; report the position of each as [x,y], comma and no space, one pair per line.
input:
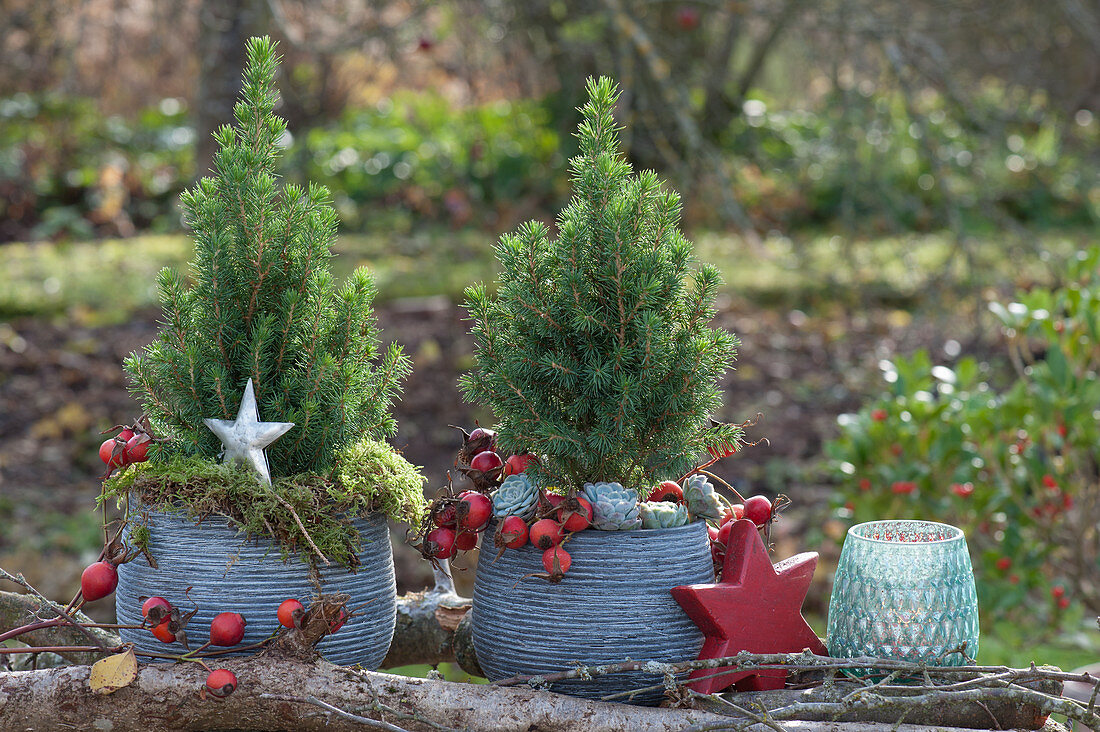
[226,572]
[613,604]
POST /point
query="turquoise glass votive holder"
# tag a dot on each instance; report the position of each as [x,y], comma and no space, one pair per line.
[904,590]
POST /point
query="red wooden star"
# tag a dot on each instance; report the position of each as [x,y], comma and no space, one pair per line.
[757,607]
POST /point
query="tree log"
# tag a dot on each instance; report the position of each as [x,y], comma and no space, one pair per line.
[17,610]
[426,622]
[952,709]
[285,694]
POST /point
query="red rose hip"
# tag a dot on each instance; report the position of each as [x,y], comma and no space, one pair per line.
[221,683]
[518,463]
[163,633]
[556,561]
[512,532]
[465,540]
[486,461]
[575,513]
[758,509]
[107,453]
[136,450]
[155,610]
[290,613]
[668,490]
[440,543]
[546,533]
[227,629]
[98,580]
[473,511]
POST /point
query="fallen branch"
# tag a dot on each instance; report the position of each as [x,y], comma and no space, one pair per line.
[291,694]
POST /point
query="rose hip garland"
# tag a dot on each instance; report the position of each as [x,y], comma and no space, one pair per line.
[525,514]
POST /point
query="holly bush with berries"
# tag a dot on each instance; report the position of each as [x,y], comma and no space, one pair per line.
[1013,466]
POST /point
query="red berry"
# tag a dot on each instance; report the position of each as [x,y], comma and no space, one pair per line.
[486,461]
[227,629]
[724,533]
[221,683]
[717,549]
[513,532]
[903,487]
[155,610]
[136,450]
[962,490]
[1014,579]
[108,455]
[290,613]
[338,623]
[424,44]
[518,463]
[482,433]
[758,509]
[1050,482]
[98,580]
[440,543]
[668,490]
[474,510]
[556,561]
[733,513]
[864,484]
[444,515]
[163,633]
[546,533]
[879,415]
[465,540]
[687,18]
[1063,602]
[1004,563]
[1057,591]
[575,514]
[554,499]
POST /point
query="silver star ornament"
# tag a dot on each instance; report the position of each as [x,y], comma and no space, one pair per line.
[246,437]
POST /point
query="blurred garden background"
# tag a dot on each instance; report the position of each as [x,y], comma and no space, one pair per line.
[901,196]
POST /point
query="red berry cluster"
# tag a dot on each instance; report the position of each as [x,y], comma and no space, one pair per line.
[454,523]
[757,509]
[556,519]
[130,445]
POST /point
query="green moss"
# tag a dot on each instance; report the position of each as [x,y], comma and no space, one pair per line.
[370,476]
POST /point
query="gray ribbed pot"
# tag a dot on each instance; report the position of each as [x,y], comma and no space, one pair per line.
[227,573]
[614,603]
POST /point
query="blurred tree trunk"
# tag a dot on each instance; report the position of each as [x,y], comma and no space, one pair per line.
[225,26]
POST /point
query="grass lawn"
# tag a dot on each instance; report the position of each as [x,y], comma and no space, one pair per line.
[105,282]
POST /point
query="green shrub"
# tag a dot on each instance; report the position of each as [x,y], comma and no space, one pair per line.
[68,171]
[1015,466]
[419,154]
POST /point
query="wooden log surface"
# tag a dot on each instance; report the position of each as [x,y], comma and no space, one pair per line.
[275,694]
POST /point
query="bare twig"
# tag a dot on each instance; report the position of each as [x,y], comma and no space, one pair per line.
[20,580]
[286,504]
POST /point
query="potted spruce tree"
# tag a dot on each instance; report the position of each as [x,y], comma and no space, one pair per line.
[597,358]
[268,400]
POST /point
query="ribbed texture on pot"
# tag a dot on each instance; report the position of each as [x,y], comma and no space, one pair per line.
[226,573]
[613,604]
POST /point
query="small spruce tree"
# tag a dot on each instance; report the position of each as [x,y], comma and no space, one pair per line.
[264,306]
[596,350]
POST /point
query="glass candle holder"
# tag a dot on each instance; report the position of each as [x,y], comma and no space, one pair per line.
[904,590]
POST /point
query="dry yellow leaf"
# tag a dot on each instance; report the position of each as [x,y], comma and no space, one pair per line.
[113,672]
